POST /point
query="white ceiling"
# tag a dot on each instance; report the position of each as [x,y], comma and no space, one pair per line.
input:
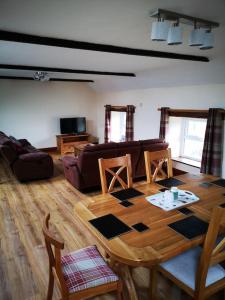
[116,22]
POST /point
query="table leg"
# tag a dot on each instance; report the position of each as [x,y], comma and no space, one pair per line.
[152,283]
[128,282]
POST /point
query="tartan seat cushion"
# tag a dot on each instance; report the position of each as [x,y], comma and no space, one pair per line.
[86,268]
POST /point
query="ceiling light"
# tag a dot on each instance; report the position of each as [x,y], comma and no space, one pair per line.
[208,40]
[175,34]
[200,36]
[196,37]
[159,30]
[41,76]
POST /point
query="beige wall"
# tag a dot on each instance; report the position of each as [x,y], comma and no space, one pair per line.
[32,109]
[147,101]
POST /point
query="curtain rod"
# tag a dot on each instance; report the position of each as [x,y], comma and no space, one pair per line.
[119,106]
[191,113]
[191,110]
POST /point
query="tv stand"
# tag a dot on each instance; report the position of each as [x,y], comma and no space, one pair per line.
[66,142]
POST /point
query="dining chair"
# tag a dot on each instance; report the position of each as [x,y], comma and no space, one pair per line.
[80,274]
[109,165]
[157,159]
[198,271]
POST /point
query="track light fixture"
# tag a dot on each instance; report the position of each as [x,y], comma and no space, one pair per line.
[201,35]
[175,34]
[159,30]
[41,76]
[196,36]
[208,40]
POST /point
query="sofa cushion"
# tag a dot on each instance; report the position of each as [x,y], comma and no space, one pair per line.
[86,268]
[16,145]
[13,139]
[151,141]
[128,144]
[184,268]
[34,156]
[30,149]
[2,134]
[100,147]
[4,139]
[24,142]
[154,147]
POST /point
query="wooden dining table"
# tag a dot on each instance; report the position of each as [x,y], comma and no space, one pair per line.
[160,242]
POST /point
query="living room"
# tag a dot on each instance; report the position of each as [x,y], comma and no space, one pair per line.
[72,60]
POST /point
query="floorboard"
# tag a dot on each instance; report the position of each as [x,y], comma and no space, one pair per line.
[23,258]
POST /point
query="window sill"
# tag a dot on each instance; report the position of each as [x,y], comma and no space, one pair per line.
[186,161]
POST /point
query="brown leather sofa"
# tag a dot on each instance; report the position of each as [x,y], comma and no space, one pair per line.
[83,171]
[26,162]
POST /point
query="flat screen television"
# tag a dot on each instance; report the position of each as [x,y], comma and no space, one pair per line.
[73,125]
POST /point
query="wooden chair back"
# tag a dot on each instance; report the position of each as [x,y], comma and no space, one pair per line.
[54,247]
[106,165]
[212,253]
[158,159]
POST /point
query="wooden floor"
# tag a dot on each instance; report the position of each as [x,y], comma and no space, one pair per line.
[23,259]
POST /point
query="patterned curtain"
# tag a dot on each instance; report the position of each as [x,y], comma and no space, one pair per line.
[164,122]
[130,123]
[212,150]
[107,122]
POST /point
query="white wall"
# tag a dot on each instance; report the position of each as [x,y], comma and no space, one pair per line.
[31,110]
[147,101]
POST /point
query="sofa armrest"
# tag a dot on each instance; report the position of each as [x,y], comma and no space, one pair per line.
[30,166]
[69,161]
[8,154]
[72,172]
[24,142]
[35,156]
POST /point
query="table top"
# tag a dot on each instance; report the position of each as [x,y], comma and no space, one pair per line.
[160,242]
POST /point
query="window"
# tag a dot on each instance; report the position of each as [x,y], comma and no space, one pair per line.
[118,126]
[193,133]
[186,139]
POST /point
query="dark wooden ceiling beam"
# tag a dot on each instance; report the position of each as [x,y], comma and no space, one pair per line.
[50,79]
[63,70]
[65,43]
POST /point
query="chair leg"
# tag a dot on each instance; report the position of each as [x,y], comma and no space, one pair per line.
[199,296]
[50,285]
[152,283]
[119,291]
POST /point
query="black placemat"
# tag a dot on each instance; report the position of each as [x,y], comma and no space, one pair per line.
[110,226]
[126,203]
[169,182]
[140,227]
[185,211]
[163,189]
[190,227]
[126,194]
[220,182]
